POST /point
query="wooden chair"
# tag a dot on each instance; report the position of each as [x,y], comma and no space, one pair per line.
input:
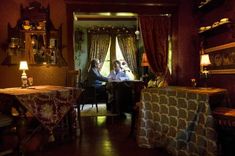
[88,96]
[73,78]
[91,95]
[17,130]
[225,123]
[8,138]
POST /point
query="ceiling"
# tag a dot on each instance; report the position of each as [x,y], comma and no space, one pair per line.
[105,19]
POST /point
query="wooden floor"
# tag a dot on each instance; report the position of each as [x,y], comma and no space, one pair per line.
[106,136]
[102,136]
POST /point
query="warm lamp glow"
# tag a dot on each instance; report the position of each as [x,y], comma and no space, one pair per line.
[205,60]
[24,66]
[144,61]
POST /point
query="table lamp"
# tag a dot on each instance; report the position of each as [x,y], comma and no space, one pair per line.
[204,62]
[144,61]
[145,65]
[23,67]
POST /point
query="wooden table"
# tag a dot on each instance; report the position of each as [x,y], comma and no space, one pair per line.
[123,95]
[179,119]
[48,104]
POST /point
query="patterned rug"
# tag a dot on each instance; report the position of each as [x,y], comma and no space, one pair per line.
[88,110]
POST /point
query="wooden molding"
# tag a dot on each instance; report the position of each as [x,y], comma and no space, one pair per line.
[159,3]
[224,71]
[220,47]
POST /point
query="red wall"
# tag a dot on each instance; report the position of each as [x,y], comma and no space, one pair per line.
[186,60]
[10,13]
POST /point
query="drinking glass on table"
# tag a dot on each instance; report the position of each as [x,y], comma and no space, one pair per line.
[30,80]
[193,82]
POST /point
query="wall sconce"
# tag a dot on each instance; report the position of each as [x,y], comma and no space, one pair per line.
[23,67]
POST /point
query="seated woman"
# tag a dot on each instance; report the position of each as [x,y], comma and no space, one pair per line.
[117,73]
[95,79]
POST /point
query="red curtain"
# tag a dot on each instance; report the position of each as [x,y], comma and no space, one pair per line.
[155,31]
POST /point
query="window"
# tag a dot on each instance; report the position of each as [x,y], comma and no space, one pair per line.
[105,70]
[169,61]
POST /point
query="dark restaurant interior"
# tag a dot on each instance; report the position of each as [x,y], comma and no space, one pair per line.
[178,57]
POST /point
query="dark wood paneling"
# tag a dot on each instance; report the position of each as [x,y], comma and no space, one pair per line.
[227,9]
[186,56]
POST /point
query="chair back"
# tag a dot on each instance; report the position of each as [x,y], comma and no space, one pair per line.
[73,78]
[88,95]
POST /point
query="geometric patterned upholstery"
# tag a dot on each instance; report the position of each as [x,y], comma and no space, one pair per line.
[177,119]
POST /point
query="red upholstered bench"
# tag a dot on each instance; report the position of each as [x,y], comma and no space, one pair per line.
[224,116]
[225,124]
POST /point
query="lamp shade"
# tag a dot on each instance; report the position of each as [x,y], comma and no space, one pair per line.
[205,60]
[23,65]
[144,61]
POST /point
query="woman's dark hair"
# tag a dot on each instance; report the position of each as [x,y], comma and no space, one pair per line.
[93,63]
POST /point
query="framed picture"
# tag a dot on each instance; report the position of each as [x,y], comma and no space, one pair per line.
[222,59]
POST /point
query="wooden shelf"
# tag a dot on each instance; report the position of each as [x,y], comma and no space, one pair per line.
[33,31]
[210,5]
[218,29]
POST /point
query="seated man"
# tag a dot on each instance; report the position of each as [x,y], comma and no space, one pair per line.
[117,73]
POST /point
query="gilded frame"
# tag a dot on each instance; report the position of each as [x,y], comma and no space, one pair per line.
[222,59]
